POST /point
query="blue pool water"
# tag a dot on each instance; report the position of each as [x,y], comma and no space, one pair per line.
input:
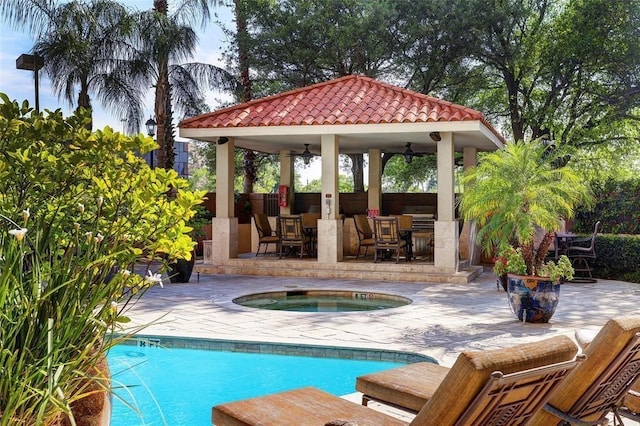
[179,386]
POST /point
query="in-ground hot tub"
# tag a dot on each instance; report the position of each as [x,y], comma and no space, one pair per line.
[322,301]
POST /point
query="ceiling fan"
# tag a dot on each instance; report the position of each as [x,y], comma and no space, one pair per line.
[306,154]
[409,153]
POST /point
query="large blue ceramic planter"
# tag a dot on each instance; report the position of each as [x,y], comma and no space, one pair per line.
[532,299]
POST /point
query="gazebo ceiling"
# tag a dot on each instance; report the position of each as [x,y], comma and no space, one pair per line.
[364,113]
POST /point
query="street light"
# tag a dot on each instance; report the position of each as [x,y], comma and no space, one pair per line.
[151,131]
[151,126]
[31,63]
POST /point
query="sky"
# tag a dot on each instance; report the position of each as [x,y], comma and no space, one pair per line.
[19,84]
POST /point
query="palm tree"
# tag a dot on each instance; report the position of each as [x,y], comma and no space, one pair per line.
[83,49]
[166,39]
[102,48]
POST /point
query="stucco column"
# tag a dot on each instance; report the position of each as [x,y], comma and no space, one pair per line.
[224,224]
[286,178]
[446,227]
[330,226]
[374,192]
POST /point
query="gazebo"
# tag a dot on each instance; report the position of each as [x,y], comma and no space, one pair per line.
[352,114]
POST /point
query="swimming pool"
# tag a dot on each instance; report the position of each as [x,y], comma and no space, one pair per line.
[179,386]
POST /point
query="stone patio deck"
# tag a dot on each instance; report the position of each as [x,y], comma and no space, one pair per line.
[444,318]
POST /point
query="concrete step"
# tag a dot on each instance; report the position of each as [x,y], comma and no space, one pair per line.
[350,269]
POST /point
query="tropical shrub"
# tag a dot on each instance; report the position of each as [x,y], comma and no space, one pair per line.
[519,191]
[77,210]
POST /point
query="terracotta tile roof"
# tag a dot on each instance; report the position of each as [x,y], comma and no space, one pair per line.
[352,99]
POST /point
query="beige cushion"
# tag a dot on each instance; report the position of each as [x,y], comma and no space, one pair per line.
[409,386]
[305,406]
[472,369]
[601,352]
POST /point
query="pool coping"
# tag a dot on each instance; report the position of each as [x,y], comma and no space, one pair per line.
[319,351]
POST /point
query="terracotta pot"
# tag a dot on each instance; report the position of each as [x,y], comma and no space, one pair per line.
[95,408]
[531,298]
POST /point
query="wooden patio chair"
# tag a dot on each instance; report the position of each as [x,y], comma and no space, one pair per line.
[387,237]
[266,235]
[365,234]
[600,383]
[629,406]
[292,234]
[493,387]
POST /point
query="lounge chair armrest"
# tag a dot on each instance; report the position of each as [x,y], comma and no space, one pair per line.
[567,418]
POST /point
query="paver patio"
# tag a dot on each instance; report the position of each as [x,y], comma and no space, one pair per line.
[443,319]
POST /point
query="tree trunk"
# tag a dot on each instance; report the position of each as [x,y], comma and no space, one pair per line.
[84,101]
[517,125]
[250,170]
[249,167]
[164,129]
[357,169]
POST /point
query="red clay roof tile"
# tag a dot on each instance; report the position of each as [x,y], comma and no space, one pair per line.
[352,99]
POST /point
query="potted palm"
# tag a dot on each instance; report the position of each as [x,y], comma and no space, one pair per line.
[519,197]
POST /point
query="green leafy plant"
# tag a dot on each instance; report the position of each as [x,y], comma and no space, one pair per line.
[77,210]
[519,191]
[509,261]
[557,271]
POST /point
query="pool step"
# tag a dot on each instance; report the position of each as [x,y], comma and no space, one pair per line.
[360,270]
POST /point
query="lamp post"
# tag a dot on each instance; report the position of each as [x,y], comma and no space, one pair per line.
[31,63]
[151,131]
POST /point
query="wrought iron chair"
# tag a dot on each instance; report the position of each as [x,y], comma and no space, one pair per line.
[387,237]
[365,234]
[310,228]
[292,234]
[579,253]
[405,228]
[266,235]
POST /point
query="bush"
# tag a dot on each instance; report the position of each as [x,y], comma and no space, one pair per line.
[77,209]
[616,206]
[618,257]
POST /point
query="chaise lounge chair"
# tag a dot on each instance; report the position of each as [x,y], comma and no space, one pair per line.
[613,360]
[599,384]
[492,387]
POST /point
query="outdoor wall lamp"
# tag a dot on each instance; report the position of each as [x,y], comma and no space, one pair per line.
[435,136]
[408,153]
[151,126]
